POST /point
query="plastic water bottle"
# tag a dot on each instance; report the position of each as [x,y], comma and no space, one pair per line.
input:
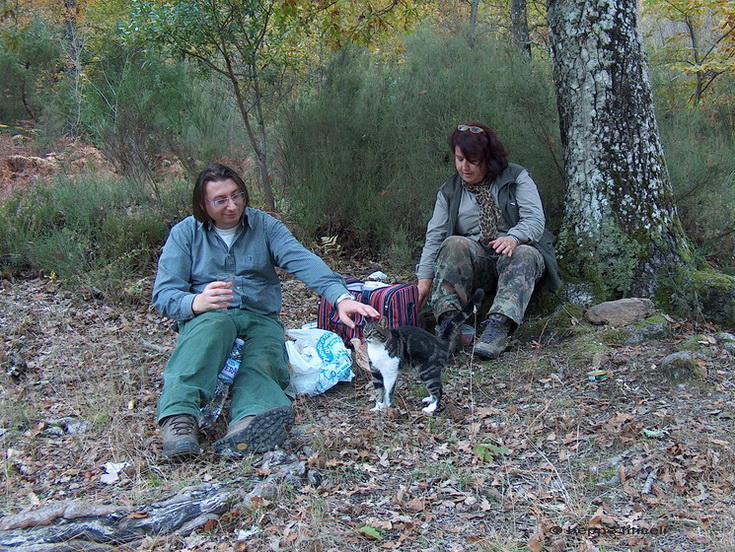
[209,412]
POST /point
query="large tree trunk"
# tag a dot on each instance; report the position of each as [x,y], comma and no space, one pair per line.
[620,228]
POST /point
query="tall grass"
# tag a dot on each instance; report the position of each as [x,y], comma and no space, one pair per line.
[96,232]
[699,145]
[364,150]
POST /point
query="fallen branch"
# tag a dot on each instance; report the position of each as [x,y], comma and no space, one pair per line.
[648,484]
[147,345]
[79,526]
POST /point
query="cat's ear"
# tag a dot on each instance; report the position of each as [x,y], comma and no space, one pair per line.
[383,322]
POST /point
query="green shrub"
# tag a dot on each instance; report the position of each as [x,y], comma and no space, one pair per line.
[141,108]
[30,59]
[365,151]
[131,237]
[65,252]
[92,232]
[699,145]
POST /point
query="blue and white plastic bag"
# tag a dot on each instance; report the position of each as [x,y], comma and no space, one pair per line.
[319,360]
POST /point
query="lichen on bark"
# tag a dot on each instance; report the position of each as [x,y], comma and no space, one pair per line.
[702,293]
[620,227]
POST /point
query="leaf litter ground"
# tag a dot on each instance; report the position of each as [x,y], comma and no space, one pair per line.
[527,454]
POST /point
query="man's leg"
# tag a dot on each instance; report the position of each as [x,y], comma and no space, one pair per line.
[260,410]
[189,379]
[191,373]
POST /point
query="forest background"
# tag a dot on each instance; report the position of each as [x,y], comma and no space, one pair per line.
[330,98]
[338,115]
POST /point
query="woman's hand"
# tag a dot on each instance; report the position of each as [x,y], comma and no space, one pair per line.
[424,285]
[504,246]
[216,296]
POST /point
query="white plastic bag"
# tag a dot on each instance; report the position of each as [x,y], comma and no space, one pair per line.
[319,360]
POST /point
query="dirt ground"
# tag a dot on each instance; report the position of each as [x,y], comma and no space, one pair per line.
[21,165]
[528,454]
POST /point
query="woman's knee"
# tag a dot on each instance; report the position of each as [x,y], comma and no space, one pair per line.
[528,254]
[526,259]
[455,246]
[456,242]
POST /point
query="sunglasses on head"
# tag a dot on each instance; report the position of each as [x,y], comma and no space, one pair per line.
[472,129]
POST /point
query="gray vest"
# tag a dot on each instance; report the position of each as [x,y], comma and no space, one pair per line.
[452,191]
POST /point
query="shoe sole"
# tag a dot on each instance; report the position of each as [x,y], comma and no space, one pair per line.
[265,432]
[485,354]
[180,450]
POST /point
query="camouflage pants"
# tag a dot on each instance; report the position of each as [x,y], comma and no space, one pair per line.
[463,265]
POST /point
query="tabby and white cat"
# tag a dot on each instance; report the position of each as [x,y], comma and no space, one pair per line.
[394,350]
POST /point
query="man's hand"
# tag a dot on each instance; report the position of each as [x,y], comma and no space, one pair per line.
[348,308]
[216,296]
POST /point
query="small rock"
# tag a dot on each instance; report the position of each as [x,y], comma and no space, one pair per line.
[67,425]
[655,330]
[727,340]
[681,367]
[621,312]
[18,365]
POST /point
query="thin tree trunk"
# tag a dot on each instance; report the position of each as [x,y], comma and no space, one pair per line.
[474,9]
[519,26]
[620,229]
[695,54]
[257,139]
[74,48]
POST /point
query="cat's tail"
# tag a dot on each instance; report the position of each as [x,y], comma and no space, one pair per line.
[450,333]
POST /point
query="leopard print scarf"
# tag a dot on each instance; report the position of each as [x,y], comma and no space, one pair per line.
[489,211]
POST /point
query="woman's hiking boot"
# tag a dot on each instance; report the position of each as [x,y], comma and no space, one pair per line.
[492,342]
[180,437]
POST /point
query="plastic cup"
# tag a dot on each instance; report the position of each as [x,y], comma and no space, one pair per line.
[228,278]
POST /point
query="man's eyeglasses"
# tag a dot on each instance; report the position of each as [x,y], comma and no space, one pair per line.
[472,129]
[237,199]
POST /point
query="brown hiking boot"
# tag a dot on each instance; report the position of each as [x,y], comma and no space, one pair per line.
[493,339]
[259,433]
[180,437]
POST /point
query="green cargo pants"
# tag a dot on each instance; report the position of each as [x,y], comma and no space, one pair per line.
[202,347]
[463,265]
